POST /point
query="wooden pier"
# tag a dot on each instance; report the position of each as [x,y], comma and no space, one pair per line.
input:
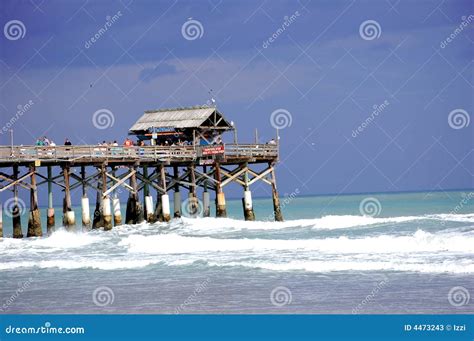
[204,162]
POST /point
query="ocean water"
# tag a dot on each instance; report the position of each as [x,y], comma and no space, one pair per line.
[378,253]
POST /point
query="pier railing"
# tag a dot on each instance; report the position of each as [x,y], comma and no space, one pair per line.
[10,154]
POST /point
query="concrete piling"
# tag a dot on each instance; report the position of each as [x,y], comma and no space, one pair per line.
[248,206]
[149,212]
[107,213]
[97,221]
[50,220]
[206,203]
[276,200]
[34,218]
[176,195]
[133,206]
[106,208]
[69,219]
[85,207]
[221,211]
[117,212]
[206,200]
[149,209]
[165,202]
[16,213]
[1,220]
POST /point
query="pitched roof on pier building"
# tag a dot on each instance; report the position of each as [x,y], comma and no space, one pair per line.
[191,118]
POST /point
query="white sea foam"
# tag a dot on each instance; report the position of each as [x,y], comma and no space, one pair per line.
[329,222]
[420,241]
[129,247]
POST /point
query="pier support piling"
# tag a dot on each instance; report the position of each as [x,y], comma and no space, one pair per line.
[16,213]
[276,200]
[34,219]
[149,210]
[97,221]
[116,206]
[165,200]
[69,219]
[117,211]
[176,195]
[206,202]
[249,213]
[85,205]
[221,211]
[50,220]
[107,213]
[106,208]
[133,206]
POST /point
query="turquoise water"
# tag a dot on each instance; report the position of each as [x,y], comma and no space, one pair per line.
[377,253]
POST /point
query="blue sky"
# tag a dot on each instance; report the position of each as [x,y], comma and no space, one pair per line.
[322,73]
